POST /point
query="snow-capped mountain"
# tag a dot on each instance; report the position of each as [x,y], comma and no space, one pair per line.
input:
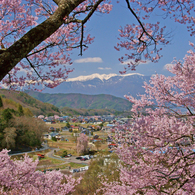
[113,84]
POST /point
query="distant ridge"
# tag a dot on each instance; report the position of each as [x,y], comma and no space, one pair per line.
[74,100]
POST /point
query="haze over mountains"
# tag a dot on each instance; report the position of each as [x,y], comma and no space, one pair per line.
[112,84]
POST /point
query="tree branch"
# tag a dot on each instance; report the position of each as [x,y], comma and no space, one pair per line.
[31,65]
[84,21]
[19,50]
[137,18]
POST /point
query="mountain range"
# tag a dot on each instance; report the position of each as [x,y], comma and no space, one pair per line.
[96,93]
[75,100]
[32,106]
[112,84]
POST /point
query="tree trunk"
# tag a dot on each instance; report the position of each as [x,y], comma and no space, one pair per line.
[16,52]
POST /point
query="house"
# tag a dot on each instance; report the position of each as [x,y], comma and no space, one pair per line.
[96,140]
[54,134]
[76,134]
[97,123]
[75,128]
[85,131]
[107,129]
[95,136]
[47,122]
[112,146]
[109,139]
[65,128]
[45,136]
[52,129]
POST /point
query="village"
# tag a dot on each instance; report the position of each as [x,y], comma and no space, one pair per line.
[80,124]
[61,140]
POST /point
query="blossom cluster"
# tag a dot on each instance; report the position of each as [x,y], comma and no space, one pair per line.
[144,40]
[158,146]
[21,177]
[47,64]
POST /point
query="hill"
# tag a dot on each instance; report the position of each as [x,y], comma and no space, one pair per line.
[12,98]
[75,100]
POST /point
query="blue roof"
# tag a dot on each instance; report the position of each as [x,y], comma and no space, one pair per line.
[52,134]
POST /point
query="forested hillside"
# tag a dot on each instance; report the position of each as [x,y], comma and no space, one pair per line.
[91,112]
[12,98]
[19,130]
[74,100]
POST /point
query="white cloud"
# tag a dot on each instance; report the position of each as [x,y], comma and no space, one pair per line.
[104,68]
[129,61]
[168,66]
[24,70]
[87,60]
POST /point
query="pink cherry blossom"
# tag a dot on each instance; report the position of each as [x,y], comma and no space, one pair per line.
[82,144]
[44,62]
[158,148]
[21,177]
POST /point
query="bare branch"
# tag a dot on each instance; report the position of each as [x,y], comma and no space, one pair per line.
[137,18]
[31,65]
[85,20]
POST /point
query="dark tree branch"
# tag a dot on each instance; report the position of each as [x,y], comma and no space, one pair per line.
[84,21]
[31,65]
[137,18]
[19,50]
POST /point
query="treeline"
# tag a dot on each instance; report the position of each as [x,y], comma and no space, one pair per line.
[18,129]
[92,112]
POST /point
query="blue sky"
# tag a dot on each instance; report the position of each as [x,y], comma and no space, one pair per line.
[102,58]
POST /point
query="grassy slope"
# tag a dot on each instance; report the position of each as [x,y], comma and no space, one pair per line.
[37,107]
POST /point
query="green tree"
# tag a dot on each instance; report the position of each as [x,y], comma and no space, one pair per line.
[99,169]
[29,131]
[9,137]
[102,124]
[50,114]
[7,115]
[68,124]
[54,139]
[64,153]
[27,112]
[1,102]
[20,110]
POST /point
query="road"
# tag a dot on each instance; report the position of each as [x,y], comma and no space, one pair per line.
[44,147]
[51,155]
[68,160]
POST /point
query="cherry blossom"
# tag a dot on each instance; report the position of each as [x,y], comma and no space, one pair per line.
[37,37]
[158,148]
[21,177]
